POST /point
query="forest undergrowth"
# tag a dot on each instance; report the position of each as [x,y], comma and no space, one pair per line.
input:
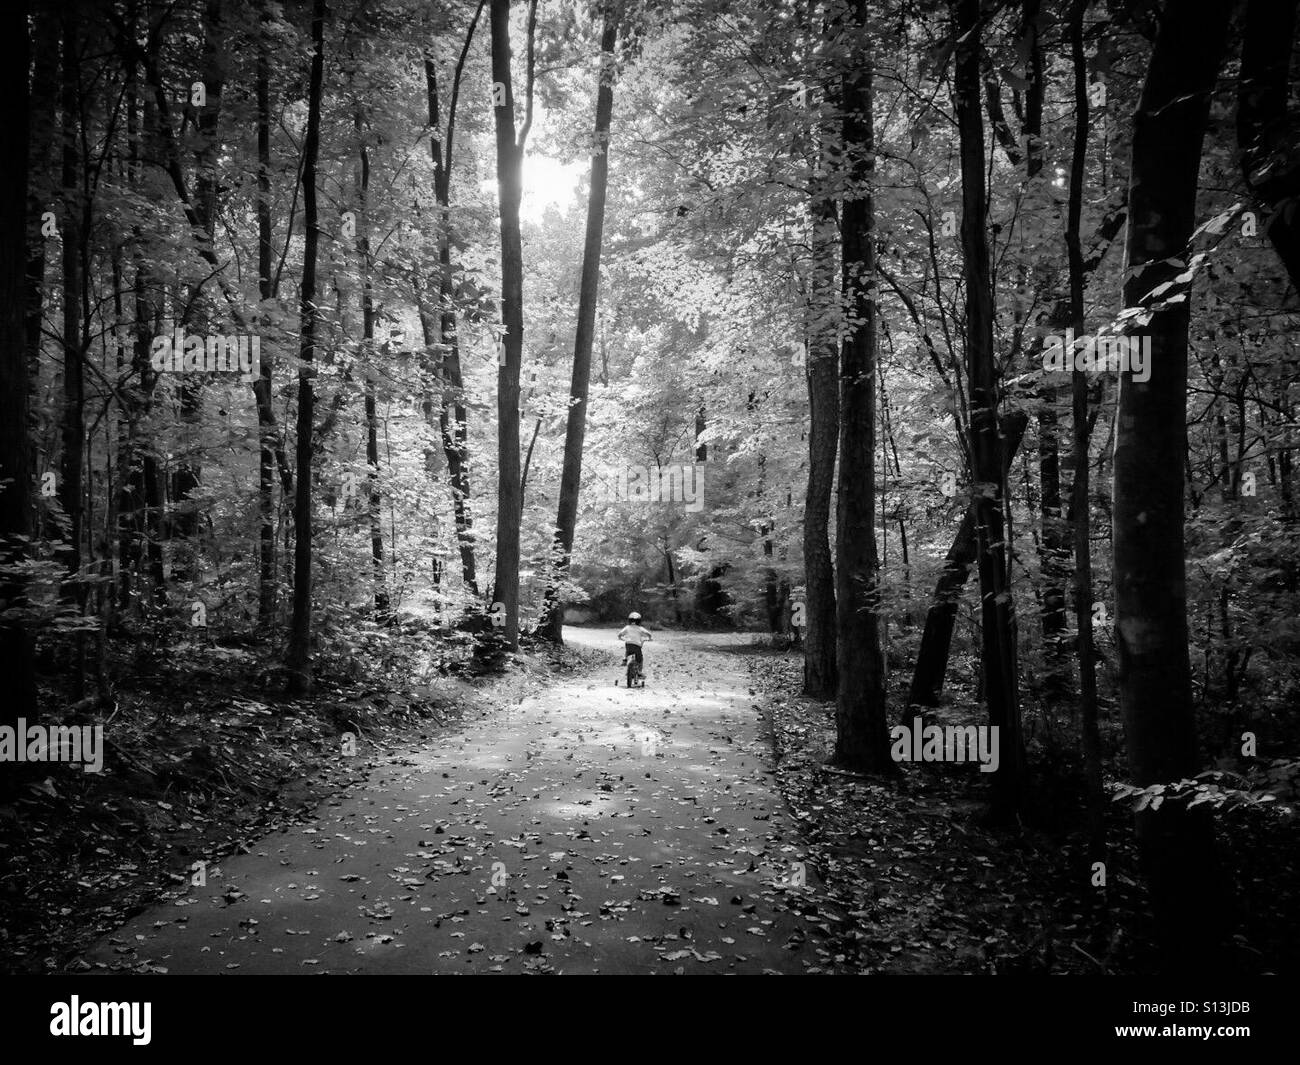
[907,876]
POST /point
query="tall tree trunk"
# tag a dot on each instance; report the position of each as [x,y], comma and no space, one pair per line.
[130,496]
[16,663]
[186,523]
[452,420]
[1055,540]
[298,660]
[1092,767]
[73,429]
[1151,442]
[373,498]
[998,626]
[141,510]
[575,432]
[509,191]
[268,586]
[861,730]
[823,357]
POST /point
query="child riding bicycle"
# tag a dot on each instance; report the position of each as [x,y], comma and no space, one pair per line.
[633,636]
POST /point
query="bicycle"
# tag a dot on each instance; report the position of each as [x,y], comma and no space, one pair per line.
[635,677]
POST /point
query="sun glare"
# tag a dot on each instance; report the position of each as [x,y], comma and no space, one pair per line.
[547,183]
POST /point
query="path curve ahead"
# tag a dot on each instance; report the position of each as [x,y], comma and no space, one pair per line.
[591,829]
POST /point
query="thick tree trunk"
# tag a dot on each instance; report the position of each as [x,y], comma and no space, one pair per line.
[819,664]
[509,191]
[575,432]
[997,614]
[1151,443]
[16,664]
[298,661]
[861,730]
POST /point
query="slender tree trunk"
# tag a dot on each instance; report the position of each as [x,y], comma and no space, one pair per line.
[589,290]
[189,473]
[1055,536]
[16,663]
[1055,540]
[892,445]
[298,662]
[452,419]
[861,731]
[42,124]
[936,639]
[268,586]
[73,429]
[1176,844]
[373,497]
[998,627]
[143,512]
[130,496]
[1092,754]
[148,317]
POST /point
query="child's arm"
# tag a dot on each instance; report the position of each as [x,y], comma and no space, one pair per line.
[646,633]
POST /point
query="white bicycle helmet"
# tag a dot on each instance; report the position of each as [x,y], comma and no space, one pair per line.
[634,616]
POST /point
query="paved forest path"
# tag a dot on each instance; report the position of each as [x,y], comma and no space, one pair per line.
[590,829]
